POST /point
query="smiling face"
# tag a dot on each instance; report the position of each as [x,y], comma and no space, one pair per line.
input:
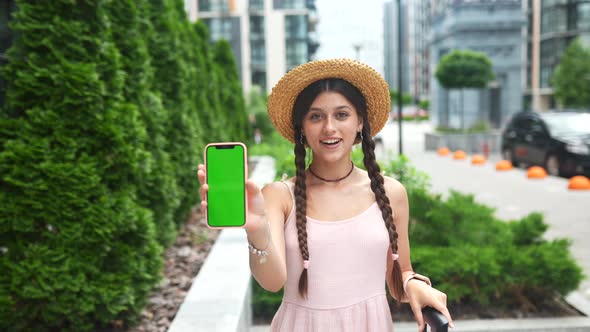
[331,126]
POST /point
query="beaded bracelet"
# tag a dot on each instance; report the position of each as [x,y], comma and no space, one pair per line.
[261,253]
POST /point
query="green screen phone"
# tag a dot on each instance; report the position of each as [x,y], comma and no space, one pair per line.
[226,177]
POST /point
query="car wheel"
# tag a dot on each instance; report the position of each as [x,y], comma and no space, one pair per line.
[552,165]
[507,155]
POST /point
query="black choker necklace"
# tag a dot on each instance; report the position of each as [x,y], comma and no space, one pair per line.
[335,180]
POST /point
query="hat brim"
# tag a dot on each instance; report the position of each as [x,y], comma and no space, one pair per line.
[369,82]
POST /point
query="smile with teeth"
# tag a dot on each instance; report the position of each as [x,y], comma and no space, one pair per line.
[332,141]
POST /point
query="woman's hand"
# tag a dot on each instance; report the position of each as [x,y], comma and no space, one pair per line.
[421,295]
[256,214]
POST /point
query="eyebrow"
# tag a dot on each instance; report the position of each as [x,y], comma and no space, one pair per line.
[338,108]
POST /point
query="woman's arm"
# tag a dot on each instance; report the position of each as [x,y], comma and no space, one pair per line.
[398,199]
[272,274]
[264,229]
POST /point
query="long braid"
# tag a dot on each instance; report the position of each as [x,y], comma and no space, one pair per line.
[378,188]
[301,210]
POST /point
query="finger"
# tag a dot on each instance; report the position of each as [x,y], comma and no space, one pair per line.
[252,188]
[201,175]
[203,191]
[417,309]
[443,310]
[203,209]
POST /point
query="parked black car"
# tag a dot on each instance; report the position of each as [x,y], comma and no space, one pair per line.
[558,141]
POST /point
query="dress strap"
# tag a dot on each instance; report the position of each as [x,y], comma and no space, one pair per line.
[288,184]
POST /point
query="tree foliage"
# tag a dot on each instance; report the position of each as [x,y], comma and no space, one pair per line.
[80,248]
[234,107]
[464,69]
[406,97]
[158,189]
[571,79]
[100,137]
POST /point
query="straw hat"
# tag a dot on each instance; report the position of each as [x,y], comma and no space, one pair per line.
[370,83]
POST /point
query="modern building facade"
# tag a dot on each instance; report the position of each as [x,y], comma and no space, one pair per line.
[391,47]
[268,37]
[551,26]
[493,28]
[415,50]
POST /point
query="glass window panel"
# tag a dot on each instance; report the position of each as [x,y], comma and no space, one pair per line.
[213,5]
[256,4]
[292,4]
[296,26]
[583,16]
[256,27]
[296,53]
[258,54]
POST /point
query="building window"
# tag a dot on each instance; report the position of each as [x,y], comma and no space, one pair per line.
[256,27]
[554,19]
[256,4]
[296,27]
[583,16]
[219,28]
[213,5]
[289,4]
[296,53]
[258,54]
[259,78]
[6,8]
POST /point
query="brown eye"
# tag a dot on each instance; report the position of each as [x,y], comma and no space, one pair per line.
[315,116]
[342,115]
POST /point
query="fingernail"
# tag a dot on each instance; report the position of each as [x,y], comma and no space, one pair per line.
[451,325]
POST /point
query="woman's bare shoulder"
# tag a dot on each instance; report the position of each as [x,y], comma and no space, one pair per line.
[394,189]
[277,194]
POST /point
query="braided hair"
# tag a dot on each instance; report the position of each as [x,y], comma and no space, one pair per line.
[301,107]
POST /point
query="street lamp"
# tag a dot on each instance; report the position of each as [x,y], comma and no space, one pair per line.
[357,49]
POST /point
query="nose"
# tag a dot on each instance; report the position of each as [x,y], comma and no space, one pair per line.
[329,126]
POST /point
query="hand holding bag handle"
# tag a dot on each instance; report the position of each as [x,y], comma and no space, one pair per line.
[437,321]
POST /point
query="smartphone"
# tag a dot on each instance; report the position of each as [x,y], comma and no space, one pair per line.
[226,175]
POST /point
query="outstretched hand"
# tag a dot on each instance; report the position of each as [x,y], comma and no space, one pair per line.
[421,295]
[254,199]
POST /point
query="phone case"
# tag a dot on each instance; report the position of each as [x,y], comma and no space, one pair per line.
[245,178]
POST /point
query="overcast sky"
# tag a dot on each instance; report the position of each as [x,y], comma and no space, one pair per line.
[343,23]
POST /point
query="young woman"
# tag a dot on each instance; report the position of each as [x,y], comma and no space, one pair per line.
[333,235]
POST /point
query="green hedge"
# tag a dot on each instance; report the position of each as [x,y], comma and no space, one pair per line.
[468,253]
[108,107]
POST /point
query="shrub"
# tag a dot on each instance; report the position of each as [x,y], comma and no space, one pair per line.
[281,150]
[175,78]
[78,249]
[157,189]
